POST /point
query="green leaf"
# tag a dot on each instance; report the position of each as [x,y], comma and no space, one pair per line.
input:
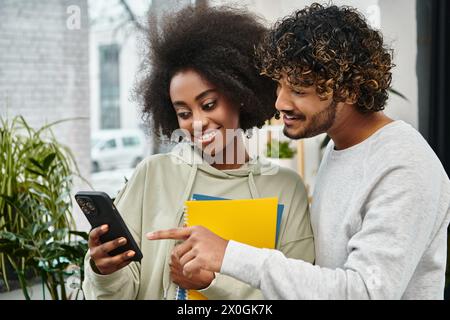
[6,235]
[48,160]
[81,234]
[40,194]
[36,163]
[398,94]
[9,199]
[48,126]
[38,173]
[35,230]
[60,233]
[22,253]
[29,247]
[277,149]
[38,229]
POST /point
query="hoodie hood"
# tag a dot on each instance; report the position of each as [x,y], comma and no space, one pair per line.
[185,153]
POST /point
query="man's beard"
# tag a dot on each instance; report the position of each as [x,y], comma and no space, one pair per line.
[319,123]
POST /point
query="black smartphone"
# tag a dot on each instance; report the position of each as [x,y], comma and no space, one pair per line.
[99,209]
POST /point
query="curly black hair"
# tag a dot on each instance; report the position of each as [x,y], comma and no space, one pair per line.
[218,43]
[334,49]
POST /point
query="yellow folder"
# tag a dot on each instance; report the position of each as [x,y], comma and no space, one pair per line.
[250,221]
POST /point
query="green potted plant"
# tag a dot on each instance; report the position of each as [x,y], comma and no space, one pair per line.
[36,225]
[281,153]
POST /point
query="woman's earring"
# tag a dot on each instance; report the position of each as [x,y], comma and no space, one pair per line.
[249,134]
[277,115]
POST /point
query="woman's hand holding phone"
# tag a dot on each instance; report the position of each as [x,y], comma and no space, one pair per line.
[99,252]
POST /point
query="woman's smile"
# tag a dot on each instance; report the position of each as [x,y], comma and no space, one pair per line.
[208,137]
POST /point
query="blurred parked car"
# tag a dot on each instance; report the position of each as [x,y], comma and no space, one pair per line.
[113,149]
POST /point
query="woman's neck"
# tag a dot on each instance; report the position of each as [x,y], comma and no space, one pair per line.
[232,157]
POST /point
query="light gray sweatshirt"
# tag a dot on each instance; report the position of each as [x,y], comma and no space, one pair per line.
[380,214]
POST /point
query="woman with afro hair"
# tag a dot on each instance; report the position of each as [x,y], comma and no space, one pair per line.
[203,90]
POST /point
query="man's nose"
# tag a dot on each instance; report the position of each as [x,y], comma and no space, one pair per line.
[283,102]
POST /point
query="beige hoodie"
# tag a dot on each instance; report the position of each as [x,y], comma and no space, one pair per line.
[153,199]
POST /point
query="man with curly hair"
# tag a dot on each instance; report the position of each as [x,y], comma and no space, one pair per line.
[380,207]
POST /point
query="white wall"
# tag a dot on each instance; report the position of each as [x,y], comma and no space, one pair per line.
[399,27]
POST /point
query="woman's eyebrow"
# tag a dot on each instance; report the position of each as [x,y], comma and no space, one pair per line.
[179,104]
[204,94]
[197,98]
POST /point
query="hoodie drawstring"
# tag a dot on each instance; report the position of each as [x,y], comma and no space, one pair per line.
[179,218]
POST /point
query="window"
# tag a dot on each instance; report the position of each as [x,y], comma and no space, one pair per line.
[130,141]
[110,144]
[109,87]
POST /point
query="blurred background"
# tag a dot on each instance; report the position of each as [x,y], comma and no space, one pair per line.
[62,59]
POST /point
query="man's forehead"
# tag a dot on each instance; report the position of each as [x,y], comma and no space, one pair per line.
[288,82]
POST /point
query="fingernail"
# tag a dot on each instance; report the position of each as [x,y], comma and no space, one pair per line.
[150,235]
[122,241]
[104,227]
[130,254]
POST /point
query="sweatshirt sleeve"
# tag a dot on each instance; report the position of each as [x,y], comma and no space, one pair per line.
[398,221]
[227,288]
[296,241]
[124,283]
[120,285]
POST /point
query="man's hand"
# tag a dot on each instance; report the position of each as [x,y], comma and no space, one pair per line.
[198,281]
[201,249]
